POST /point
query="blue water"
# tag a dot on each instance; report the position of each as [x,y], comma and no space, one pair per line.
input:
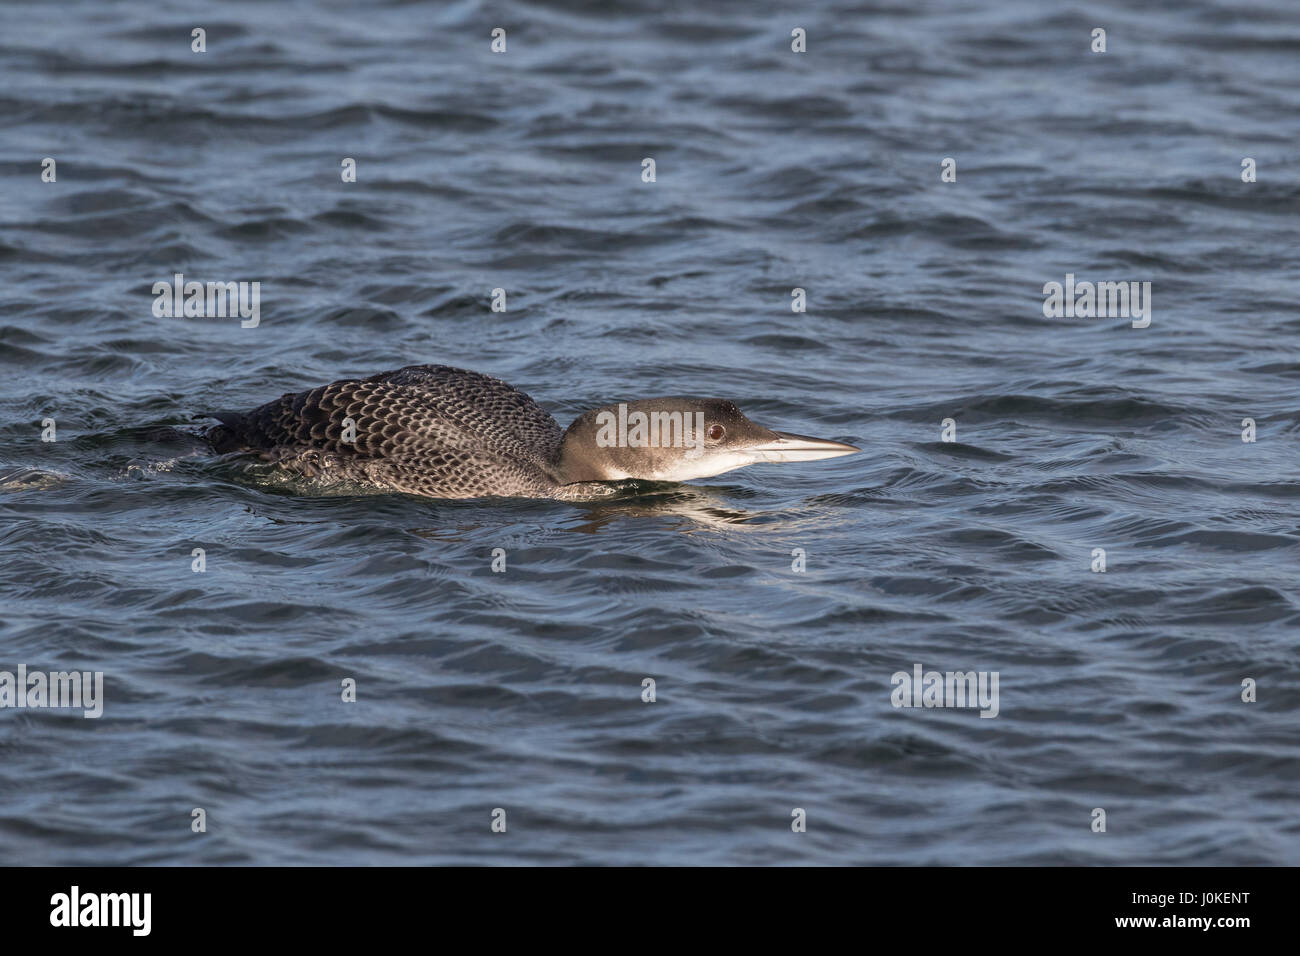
[775,170]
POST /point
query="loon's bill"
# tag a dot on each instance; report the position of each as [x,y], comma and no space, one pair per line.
[445,432]
[788,447]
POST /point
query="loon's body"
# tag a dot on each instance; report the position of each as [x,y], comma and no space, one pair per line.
[445,432]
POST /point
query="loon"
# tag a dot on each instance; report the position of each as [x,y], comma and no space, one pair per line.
[445,432]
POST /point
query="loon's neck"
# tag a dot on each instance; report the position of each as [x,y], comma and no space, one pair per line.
[581,458]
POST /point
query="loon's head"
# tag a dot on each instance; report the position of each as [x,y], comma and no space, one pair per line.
[677,439]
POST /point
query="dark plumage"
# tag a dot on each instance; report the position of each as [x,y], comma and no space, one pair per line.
[424,429]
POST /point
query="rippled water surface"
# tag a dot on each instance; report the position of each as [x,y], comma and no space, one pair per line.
[775,170]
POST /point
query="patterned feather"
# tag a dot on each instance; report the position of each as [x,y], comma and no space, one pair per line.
[425,429]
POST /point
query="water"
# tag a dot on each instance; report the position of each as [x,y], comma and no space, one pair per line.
[522,690]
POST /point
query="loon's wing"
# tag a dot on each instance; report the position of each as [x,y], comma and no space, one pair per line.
[500,415]
[427,425]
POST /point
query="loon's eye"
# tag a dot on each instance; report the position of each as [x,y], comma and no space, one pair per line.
[716,432]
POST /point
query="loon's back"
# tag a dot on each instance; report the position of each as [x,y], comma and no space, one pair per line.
[425,429]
